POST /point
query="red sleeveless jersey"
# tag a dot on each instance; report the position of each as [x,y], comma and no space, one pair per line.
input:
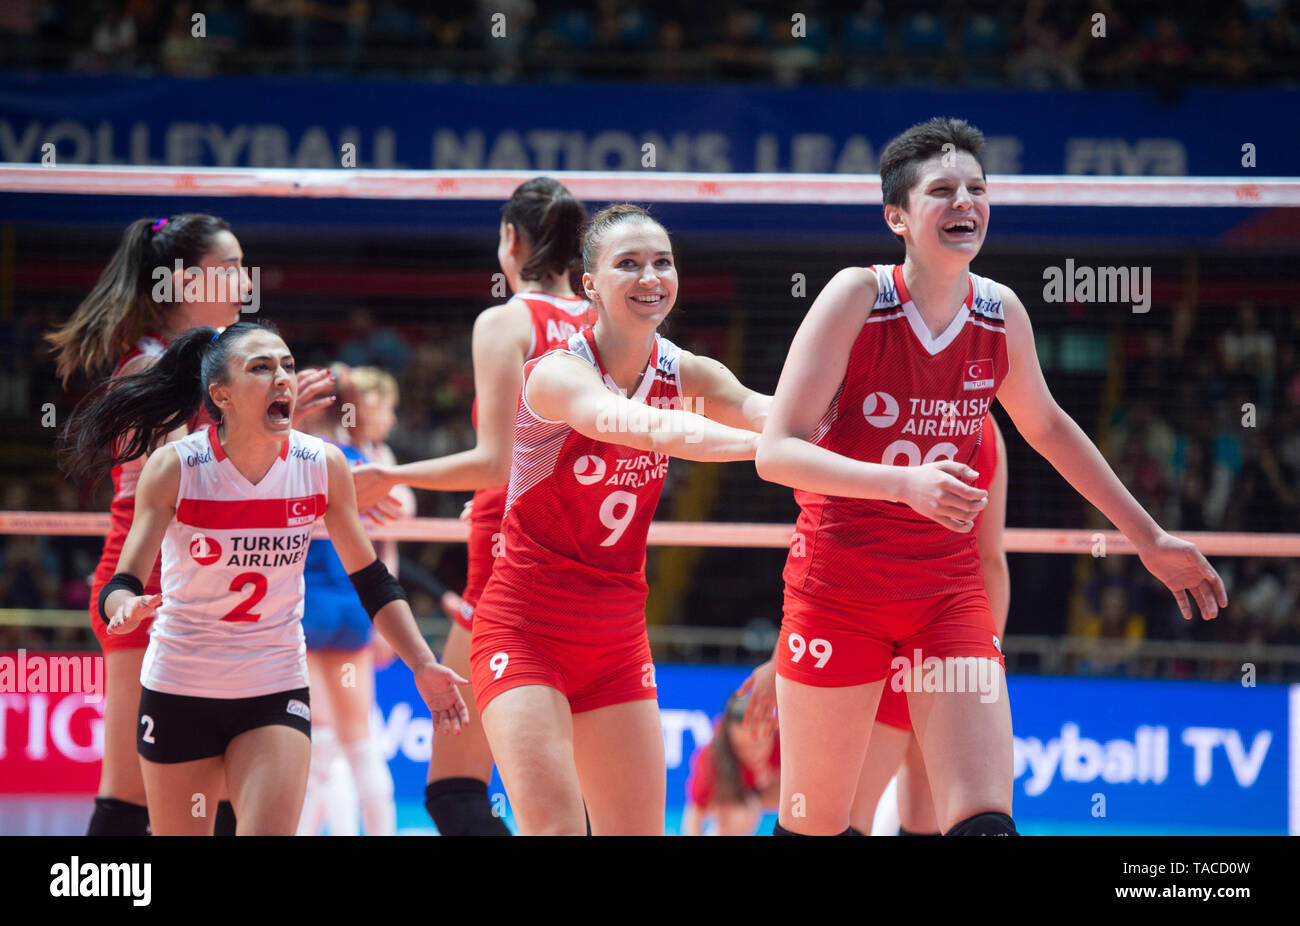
[555,320]
[577,514]
[126,475]
[907,398]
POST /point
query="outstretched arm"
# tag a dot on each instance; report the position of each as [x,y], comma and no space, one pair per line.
[718,394]
[1055,435]
[502,335]
[564,388]
[394,621]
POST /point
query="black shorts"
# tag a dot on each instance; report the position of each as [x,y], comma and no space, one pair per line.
[179,728]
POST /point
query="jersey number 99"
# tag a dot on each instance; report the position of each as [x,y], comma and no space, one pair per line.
[818,648]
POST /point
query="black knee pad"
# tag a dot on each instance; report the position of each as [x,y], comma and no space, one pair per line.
[903,832]
[225,819]
[118,818]
[460,807]
[779,830]
[985,824]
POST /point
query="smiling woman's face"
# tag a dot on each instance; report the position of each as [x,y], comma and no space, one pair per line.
[947,212]
[634,276]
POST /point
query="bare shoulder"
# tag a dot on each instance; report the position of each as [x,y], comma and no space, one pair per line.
[858,282]
[563,365]
[508,319]
[334,458]
[161,476]
[1009,298]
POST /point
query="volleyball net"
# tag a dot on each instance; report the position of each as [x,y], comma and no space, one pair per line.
[1165,317]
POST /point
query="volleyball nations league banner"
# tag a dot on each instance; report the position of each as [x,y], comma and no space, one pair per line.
[261,122]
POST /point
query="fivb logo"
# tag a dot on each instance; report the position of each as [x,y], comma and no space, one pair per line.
[105,879]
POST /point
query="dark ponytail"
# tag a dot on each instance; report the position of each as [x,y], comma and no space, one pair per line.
[552,219]
[121,307]
[129,416]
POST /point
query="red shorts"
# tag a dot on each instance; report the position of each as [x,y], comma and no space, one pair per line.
[590,675]
[111,643]
[483,536]
[834,644]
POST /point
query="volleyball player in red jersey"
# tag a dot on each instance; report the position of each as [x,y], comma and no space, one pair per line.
[121,318]
[540,235]
[561,663]
[894,748]
[875,419]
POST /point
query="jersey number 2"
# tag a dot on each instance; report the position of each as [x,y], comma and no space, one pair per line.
[243,611]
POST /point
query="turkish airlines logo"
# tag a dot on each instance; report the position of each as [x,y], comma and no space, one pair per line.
[300,510]
[588,470]
[880,409]
[979,374]
[204,550]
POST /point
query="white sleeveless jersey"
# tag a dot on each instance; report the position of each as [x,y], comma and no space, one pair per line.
[230,621]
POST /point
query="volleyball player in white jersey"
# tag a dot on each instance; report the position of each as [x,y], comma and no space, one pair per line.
[224,680]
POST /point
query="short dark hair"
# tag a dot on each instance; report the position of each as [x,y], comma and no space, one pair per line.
[903,155]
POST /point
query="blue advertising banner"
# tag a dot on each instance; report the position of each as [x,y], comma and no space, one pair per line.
[262,122]
[1102,756]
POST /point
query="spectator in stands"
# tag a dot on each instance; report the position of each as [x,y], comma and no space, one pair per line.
[1249,348]
[1232,57]
[328,34]
[1265,495]
[737,54]
[183,54]
[1165,60]
[371,345]
[1043,60]
[1117,629]
[113,41]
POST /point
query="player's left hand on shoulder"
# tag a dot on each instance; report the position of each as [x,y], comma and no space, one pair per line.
[437,686]
[1186,572]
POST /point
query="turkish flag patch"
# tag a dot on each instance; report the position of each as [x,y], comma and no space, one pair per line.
[300,511]
[979,375]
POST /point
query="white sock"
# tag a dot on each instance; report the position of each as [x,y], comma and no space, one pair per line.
[324,750]
[341,800]
[375,786]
